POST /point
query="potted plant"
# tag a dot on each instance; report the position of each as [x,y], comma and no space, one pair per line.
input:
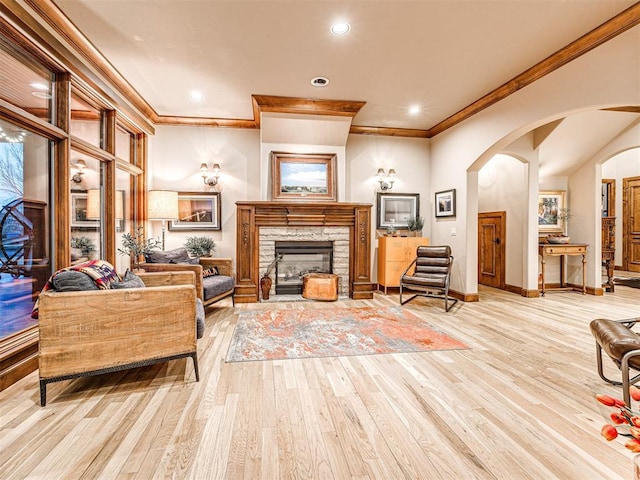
[200,246]
[415,225]
[563,215]
[136,245]
[85,245]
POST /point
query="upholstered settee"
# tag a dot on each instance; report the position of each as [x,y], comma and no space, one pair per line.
[100,331]
[214,276]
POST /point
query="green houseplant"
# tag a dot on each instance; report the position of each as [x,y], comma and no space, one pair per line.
[200,246]
[136,245]
[415,224]
[85,245]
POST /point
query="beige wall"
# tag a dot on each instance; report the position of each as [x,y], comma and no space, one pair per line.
[175,155]
[604,77]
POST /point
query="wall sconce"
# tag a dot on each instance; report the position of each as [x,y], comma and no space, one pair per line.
[162,205]
[79,166]
[210,177]
[386,179]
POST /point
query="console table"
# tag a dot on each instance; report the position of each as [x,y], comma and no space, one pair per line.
[562,250]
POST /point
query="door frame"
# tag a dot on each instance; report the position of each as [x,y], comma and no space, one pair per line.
[626,224]
[502,215]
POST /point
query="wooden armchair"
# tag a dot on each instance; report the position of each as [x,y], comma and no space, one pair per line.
[102,331]
[209,289]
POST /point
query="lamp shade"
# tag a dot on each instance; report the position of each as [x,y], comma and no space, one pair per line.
[119,204]
[93,204]
[162,205]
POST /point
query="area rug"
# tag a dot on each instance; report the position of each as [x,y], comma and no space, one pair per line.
[331,332]
[633,282]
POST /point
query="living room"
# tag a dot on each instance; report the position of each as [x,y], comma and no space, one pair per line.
[430,414]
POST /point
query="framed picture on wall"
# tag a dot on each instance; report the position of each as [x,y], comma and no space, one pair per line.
[197,211]
[550,204]
[446,203]
[80,210]
[306,176]
[395,209]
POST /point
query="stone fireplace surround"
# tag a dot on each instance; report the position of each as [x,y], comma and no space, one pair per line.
[339,236]
[253,217]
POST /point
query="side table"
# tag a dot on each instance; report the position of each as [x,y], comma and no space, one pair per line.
[561,250]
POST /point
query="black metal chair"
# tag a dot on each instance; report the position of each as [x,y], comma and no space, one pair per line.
[430,274]
[622,345]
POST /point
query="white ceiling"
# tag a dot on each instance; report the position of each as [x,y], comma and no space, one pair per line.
[441,55]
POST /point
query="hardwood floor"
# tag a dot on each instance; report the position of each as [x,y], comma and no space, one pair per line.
[519,404]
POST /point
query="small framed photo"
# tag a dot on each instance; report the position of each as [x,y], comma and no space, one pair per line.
[303,176]
[550,204]
[395,209]
[197,211]
[80,210]
[446,203]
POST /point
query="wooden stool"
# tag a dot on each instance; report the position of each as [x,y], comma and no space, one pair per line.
[320,286]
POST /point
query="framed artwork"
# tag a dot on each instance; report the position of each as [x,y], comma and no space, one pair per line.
[302,176]
[550,204]
[446,203]
[79,209]
[395,209]
[197,211]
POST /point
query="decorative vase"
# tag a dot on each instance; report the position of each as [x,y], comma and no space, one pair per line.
[558,239]
[265,286]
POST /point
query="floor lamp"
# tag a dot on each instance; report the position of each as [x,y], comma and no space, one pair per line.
[162,205]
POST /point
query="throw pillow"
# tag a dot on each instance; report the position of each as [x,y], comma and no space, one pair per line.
[177,255]
[72,281]
[130,280]
[199,318]
[210,272]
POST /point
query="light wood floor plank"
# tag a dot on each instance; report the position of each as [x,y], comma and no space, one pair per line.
[517,404]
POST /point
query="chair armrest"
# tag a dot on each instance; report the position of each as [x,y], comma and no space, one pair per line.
[223,265]
[178,267]
[162,279]
[406,270]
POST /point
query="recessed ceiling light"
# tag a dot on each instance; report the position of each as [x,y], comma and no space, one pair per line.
[414,110]
[39,86]
[340,28]
[196,96]
[320,81]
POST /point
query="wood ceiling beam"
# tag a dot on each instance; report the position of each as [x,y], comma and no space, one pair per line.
[53,16]
[390,132]
[613,27]
[205,122]
[295,105]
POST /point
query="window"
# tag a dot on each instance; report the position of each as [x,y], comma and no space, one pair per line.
[25,258]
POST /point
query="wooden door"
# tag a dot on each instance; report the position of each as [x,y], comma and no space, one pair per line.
[631,224]
[491,249]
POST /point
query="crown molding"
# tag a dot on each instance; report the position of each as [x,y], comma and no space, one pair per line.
[54,17]
[613,27]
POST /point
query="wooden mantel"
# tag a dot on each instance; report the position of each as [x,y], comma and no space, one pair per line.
[253,215]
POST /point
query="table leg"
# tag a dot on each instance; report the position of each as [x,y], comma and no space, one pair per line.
[584,274]
[542,263]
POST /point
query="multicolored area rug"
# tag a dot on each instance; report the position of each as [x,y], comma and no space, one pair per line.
[331,332]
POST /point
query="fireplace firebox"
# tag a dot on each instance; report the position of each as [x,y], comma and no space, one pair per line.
[298,259]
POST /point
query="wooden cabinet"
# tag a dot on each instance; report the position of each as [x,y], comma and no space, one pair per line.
[394,255]
[609,249]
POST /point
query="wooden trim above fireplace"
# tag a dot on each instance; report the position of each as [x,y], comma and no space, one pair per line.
[253,215]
